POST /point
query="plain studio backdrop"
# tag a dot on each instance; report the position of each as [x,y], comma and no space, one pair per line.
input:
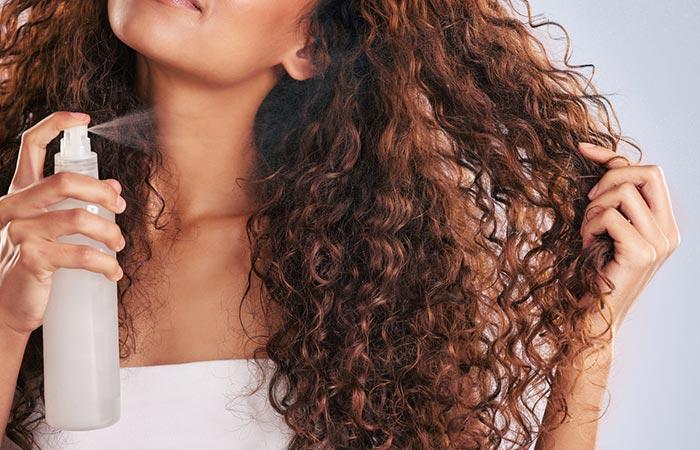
[647,58]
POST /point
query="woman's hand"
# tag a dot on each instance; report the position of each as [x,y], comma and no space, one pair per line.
[632,203]
[29,253]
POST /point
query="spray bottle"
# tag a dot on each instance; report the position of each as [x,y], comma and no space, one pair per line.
[80,329]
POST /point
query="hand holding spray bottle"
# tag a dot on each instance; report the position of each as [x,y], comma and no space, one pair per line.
[80,328]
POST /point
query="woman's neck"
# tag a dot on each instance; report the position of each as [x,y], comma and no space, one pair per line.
[205,135]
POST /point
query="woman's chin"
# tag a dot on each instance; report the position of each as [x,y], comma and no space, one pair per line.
[149,23]
[157,46]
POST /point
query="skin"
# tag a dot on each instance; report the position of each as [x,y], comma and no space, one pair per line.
[206,74]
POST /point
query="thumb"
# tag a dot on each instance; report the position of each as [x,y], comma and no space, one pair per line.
[32,150]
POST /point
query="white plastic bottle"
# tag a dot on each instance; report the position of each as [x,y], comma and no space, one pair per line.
[80,329]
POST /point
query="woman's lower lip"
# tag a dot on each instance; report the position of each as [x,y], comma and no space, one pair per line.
[181,3]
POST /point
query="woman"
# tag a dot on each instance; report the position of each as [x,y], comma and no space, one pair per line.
[415,212]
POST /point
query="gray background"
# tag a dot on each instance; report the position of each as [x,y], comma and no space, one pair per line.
[647,62]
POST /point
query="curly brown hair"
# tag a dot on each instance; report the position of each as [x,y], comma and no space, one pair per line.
[420,201]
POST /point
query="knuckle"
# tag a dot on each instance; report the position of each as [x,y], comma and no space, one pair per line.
[84,254]
[55,115]
[656,172]
[11,230]
[80,217]
[609,214]
[64,181]
[30,255]
[627,190]
[27,136]
[647,254]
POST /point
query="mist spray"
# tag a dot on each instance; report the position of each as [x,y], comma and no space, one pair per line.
[80,329]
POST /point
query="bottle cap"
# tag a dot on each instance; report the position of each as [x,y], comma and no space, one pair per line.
[75,144]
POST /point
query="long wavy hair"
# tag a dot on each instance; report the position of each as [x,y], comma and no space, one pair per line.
[418,229]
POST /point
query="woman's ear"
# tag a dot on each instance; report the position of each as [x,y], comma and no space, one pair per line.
[298,62]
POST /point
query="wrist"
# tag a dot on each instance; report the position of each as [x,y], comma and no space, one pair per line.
[602,327]
[12,344]
[11,334]
[599,357]
[595,358]
[601,353]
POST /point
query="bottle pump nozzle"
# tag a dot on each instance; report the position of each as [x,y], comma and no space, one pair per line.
[75,143]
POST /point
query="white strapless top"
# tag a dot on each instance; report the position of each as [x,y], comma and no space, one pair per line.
[194,405]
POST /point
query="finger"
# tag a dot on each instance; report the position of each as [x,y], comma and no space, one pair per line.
[629,243]
[629,200]
[116,185]
[33,200]
[77,256]
[51,225]
[603,155]
[651,182]
[32,151]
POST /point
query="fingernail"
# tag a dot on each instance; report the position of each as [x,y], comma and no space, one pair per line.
[586,145]
[593,191]
[592,212]
[121,204]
